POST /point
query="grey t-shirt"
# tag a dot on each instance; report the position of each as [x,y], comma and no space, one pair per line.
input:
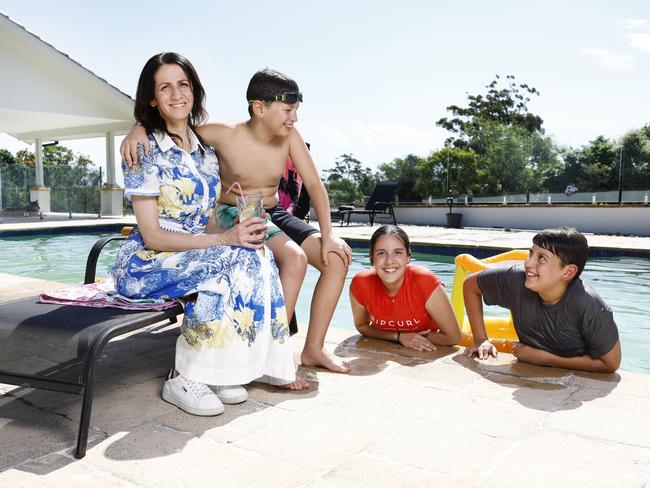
[580,323]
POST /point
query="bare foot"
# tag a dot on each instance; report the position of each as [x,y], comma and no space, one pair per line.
[300,384]
[325,360]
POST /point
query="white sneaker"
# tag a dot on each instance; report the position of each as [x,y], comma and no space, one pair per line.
[231,394]
[191,397]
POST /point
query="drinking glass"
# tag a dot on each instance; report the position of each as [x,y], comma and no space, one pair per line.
[250,206]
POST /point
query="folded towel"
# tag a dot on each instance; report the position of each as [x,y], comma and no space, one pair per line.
[101,295]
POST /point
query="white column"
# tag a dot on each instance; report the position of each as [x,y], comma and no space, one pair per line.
[112,194]
[38,151]
[110,159]
[39,193]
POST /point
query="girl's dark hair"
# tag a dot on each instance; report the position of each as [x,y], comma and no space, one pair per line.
[149,116]
[391,230]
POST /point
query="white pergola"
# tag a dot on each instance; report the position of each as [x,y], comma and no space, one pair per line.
[45,95]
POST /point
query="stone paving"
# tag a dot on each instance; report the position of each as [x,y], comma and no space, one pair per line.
[400,419]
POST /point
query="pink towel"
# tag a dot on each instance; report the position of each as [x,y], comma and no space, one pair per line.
[101,295]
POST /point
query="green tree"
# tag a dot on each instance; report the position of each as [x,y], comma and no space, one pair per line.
[344,192]
[349,181]
[74,182]
[507,106]
[635,146]
[459,167]
[544,160]
[53,155]
[73,179]
[6,157]
[58,155]
[26,157]
[17,177]
[598,169]
[513,159]
[592,167]
[405,172]
[512,154]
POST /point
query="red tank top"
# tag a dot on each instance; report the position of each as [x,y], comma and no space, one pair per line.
[405,312]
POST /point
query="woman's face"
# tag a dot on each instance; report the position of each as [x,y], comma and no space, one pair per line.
[390,259]
[173,96]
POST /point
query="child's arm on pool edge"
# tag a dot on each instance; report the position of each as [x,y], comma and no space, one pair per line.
[607,363]
[412,340]
[439,309]
[473,297]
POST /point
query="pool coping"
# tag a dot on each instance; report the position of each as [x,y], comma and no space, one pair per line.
[440,240]
[481,252]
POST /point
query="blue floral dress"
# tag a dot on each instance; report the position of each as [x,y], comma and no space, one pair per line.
[235,327]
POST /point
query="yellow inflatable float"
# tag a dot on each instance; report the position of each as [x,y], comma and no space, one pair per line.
[500,330]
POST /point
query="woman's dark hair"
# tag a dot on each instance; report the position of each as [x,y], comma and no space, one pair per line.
[566,243]
[391,230]
[149,116]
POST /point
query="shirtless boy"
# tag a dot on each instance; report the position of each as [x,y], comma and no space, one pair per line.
[254,153]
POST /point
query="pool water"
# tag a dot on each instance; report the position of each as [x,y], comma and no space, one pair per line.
[622,282]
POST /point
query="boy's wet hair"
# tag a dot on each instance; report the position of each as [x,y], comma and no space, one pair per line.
[268,83]
[149,116]
[566,243]
[391,230]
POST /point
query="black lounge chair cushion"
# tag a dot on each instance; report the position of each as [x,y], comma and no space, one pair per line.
[39,336]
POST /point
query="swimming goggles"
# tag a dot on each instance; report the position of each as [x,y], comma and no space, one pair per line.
[288,97]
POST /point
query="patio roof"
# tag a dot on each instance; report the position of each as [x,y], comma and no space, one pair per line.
[47,95]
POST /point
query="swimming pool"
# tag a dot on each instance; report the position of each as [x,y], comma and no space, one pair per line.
[622,282]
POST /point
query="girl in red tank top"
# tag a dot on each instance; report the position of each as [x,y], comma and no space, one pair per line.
[399,302]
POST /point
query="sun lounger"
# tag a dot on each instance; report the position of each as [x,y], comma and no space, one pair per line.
[379,203]
[56,347]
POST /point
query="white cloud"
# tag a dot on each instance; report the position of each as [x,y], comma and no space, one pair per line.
[636,24]
[609,58]
[639,41]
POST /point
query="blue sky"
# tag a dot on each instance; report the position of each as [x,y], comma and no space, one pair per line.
[375,75]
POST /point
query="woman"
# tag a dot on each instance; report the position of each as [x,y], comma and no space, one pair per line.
[398,302]
[234,328]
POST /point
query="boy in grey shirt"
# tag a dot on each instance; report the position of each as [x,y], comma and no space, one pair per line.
[560,321]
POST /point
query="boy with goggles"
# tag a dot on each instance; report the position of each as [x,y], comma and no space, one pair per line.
[254,153]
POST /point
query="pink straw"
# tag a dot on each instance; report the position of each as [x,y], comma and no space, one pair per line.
[236,183]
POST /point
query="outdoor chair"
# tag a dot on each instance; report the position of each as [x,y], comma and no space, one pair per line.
[56,347]
[380,202]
